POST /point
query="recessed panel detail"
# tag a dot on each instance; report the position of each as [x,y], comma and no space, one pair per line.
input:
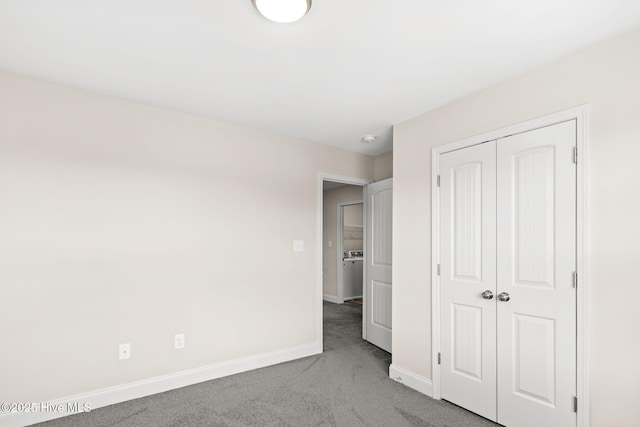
[467,340]
[467,221]
[380,306]
[534,358]
[534,231]
[381,227]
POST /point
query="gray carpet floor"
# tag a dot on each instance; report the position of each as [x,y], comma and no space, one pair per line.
[347,385]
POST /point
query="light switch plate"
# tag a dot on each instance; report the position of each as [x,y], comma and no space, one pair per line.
[298,246]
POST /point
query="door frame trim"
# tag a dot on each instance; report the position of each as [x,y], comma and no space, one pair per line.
[583,291]
[340,245]
[322,176]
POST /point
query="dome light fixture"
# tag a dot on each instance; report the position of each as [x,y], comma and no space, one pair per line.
[282,11]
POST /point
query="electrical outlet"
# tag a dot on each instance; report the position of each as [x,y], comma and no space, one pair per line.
[298,246]
[124,351]
[178,341]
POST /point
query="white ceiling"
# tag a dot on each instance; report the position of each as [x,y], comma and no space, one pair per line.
[348,68]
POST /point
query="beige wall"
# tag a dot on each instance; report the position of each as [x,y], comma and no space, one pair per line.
[607,76]
[383,166]
[330,232]
[123,222]
[353,236]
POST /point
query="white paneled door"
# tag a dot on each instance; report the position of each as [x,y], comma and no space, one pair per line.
[508,257]
[377,299]
[468,269]
[536,264]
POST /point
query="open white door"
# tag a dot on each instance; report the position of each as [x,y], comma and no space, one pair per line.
[377,300]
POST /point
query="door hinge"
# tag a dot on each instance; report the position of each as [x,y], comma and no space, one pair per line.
[575,404]
[575,279]
[575,155]
[438,269]
[438,181]
[439,359]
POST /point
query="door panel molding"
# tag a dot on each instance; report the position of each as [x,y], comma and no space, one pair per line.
[380,314]
[580,115]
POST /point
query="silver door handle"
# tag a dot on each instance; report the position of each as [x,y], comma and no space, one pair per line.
[487,294]
[503,296]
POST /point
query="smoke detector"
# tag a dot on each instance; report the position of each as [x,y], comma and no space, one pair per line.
[368,139]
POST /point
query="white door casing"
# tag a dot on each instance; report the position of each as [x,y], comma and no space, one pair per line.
[534,338]
[377,300]
[536,265]
[468,260]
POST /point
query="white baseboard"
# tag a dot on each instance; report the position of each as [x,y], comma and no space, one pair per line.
[414,381]
[330,298]
[109,396]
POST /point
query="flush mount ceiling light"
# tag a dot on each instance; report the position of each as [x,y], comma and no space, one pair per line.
[282,11]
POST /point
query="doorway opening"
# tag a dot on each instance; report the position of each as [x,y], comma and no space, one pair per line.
[350,251]
[375,253]
[335,194]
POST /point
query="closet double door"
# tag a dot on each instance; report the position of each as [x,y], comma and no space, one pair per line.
[508,257]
